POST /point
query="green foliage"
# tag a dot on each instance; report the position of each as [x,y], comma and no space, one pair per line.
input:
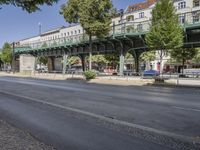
[6,55]
[129,56]
[90,74]
[114,13]
[165,31]
[99,59]
[44,45]
[196,58]
[28,5]
[0,57]
[148,56]
[42,60]
[73,60]
[112,58]
[183,54]
[93,15]
[70,11]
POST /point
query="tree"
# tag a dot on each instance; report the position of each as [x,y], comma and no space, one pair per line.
[196,58]
[99,59]
[112,58]
[93,15]
[28,5]
[148,56]
[42,60]
[6,55]
[73,60]
[183,54]
[165,32]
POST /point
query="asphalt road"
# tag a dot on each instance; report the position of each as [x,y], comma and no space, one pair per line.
[163,110]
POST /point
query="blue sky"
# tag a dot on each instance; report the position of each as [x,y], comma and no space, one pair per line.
[16,24]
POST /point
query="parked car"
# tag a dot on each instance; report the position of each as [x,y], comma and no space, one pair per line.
[128,73]
[151,73]
[74,70]
[42,70]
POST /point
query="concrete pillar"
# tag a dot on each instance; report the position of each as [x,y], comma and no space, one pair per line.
[50,64]
[137,61]
[90,61]
[26,63]
[121,63]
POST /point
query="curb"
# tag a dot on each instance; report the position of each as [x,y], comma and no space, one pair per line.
[174,85]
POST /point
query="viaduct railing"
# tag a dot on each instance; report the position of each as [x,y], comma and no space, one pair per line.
[188,20]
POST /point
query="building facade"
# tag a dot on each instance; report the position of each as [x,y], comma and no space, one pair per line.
[137,15]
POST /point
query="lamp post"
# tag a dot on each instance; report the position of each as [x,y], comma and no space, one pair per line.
[121,11]
[13,57]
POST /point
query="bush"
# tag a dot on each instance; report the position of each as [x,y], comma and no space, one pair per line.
[159,80]
[90,74]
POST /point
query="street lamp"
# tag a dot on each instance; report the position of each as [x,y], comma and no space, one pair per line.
[13,57]
[121,12]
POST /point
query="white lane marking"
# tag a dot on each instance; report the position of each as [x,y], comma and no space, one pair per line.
[187,109]
[109,120]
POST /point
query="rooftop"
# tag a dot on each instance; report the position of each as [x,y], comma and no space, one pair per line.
[140,6]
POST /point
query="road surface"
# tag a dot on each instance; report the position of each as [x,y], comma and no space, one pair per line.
[75,115]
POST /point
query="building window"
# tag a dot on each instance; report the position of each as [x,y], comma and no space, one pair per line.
[196,3]
[75,32]
[65,34]
[196,17]
[79,31]
[141,15]
[130,18]
[71,32]
[139,27]
[181,5]
[182,19]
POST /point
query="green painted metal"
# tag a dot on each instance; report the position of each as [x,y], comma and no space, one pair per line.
[119,32]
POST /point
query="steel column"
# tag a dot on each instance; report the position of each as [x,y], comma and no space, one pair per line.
[65,56]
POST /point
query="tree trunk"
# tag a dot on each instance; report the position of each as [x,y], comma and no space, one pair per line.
[183,64]
[83,62]
[161,59]
[90,52]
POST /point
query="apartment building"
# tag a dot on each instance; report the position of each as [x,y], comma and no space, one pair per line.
[137,15]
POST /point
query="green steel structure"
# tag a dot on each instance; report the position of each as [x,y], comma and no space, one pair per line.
[123,38]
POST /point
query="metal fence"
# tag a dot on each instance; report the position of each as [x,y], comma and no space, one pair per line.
[128,27]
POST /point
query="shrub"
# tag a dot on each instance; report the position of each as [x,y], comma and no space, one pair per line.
[90,74]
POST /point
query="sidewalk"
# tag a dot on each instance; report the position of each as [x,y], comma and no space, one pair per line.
[14,139]
[111,80]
